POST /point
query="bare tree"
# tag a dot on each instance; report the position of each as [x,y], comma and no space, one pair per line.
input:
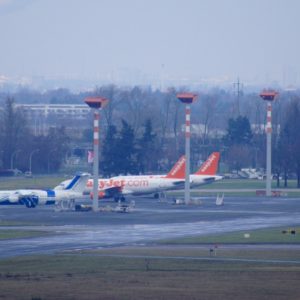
[208,105]
[111,92]
[14,131]
[136,108]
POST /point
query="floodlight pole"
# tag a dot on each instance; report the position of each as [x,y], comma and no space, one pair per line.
[96,159]
[96,103]
[187,153]
[269,96]
[187,99]
[269,151]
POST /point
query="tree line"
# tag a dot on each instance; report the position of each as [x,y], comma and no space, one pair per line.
[20,147]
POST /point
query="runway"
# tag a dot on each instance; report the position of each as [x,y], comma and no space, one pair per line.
[148,222]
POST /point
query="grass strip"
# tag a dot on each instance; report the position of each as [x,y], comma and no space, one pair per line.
[18,234]
[281,235]
[92,277]
[40,182]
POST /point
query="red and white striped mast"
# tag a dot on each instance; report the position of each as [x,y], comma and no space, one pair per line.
[96,103]
[187,99]
[269,96]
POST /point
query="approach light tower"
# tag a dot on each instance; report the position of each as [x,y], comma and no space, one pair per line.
[96,103]
[269,96]
[187,99]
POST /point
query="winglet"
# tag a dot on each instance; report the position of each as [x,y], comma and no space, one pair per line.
[210,166]
[178,171]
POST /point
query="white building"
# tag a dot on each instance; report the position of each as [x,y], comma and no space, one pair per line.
[41,117]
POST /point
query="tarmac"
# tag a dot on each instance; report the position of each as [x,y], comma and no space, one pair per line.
[149,221]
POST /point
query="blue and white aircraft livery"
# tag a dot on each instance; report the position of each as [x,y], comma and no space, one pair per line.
[32,198]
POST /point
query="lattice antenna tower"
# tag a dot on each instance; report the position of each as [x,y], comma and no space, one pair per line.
[238,87]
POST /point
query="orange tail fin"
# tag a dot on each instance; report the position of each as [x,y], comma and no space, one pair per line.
[178,171]
[210,166]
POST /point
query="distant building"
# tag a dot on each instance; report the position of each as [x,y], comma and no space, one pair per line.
[261,128]
[199,130]
[41,117]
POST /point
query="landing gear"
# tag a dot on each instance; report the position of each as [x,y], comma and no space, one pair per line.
[160,196]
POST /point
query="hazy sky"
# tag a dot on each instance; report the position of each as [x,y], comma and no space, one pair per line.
[253,39]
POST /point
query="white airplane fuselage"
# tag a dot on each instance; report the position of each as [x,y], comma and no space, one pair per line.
[142,185]
[34,197]
[137,185]
[41,197]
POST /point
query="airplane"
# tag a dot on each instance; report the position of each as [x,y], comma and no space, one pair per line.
[32,198]
[120,186]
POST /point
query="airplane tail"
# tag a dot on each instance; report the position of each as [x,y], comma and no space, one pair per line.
[78,182]
[62,185]
[210,166]
[178,170]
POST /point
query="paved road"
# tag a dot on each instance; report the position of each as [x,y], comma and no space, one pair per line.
[150,221]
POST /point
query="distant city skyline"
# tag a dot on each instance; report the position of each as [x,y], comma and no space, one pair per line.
[150,42]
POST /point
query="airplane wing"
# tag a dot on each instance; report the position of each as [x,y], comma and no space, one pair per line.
[27,198]
[178,183]
[209,180]
[20,197]
[109,192]
[113,191]
[8,198]
[31,198]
